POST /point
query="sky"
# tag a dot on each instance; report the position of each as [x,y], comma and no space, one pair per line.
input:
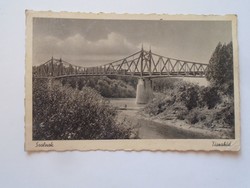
[96,42]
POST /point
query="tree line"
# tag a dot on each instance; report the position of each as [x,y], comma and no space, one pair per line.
[109,87]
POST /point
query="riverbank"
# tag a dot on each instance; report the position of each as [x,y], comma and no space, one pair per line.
[188,130]
[144,126]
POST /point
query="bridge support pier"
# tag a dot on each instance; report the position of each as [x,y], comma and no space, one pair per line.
[144,92]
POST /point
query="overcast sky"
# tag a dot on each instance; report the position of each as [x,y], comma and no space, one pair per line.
[96,42]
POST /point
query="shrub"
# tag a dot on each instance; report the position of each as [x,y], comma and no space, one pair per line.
[182,114]
[62,113]
[192,117]
[226,114]
[210,97]
[189,95]
[158,104]
[195,116]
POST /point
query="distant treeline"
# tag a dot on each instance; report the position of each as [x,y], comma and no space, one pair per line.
[164,84]
[109,87]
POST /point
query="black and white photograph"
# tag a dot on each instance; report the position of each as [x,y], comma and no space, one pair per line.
[125,94]
[133,79]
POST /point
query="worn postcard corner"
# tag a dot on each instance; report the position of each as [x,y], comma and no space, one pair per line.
[131,82]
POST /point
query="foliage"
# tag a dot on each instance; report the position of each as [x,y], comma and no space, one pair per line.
[164,84]
[181,114]
[209,96]
[158,105]
[184,95]
[131,81]
[195,116]
[190,96]
[107,87]
[220,68]
[212,106]
[225,112]
[61,113]
[194,104]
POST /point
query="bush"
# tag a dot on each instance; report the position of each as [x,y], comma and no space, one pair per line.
[210,97]
[189,95]
[222,115]
[158,104]
[182,114]
[208,105]
[226,114]
[192,118]
[63,113]
[195,116]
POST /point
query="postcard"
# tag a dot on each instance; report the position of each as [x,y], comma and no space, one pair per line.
[131,82]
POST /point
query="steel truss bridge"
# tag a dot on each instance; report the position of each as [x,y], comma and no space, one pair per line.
[142,64]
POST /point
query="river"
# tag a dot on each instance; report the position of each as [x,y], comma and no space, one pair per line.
[150,128]
[126,103]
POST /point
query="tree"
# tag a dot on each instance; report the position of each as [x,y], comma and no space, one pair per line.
[209,96]
[190,97]
[220,68]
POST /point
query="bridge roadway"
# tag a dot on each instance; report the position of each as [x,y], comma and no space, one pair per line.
[137,75]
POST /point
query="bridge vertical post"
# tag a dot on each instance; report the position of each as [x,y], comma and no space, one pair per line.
[150,61]
[50,67]
[142,56]
[144,91]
